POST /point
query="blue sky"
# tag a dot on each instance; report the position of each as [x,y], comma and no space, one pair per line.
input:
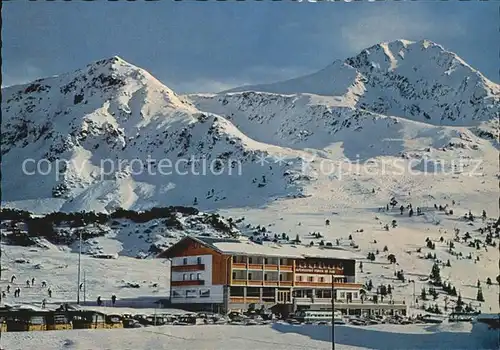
[212,46]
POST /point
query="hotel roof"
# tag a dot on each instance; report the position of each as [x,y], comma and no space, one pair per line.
[247,247]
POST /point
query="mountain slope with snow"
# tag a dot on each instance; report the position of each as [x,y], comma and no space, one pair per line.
[416,80]
[128,141]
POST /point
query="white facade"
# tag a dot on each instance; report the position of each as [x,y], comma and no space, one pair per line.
[197,294]
[205,293]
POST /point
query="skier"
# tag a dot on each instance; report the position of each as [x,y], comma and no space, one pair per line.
[8,288]
[28,283]
[33,281]
[99,301]
[12,278]
[3,294]
[44,301]
[81,286]
[113,299]
[50,292]
[44,284]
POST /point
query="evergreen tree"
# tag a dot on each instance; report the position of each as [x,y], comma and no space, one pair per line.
[448,264]
[386,249]
[436,274]
[423,294]
[480,296]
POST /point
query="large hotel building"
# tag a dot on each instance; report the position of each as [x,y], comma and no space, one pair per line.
[226,274]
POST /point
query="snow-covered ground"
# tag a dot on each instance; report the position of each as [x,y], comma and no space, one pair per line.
[278,336]
[103,277]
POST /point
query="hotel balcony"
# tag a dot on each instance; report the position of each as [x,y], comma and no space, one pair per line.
[259,267]
[267,283]
[259,264]
[184,268]
[241,300]
[187,283]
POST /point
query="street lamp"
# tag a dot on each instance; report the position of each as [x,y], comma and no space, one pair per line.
[79,264]
[413,300]
[333,312]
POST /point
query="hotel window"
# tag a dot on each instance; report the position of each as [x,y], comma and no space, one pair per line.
[299,278]
[198,276]
[355,295]
[191,276]
[249,276]
[281,277]
[310,279]
[342,295]
[185,261]
[198,260]
[234,275]
[184,277]
[265,277]
[322,279]
[191,293]
[265,260]
[250,260]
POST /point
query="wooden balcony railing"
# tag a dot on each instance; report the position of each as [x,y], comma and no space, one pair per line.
[184,268]
[236,282]
[267,267]
[241,300]
[265,283]
[271,283]
[242,266]
[255,266]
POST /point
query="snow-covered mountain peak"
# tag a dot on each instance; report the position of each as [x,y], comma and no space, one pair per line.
[419,80]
